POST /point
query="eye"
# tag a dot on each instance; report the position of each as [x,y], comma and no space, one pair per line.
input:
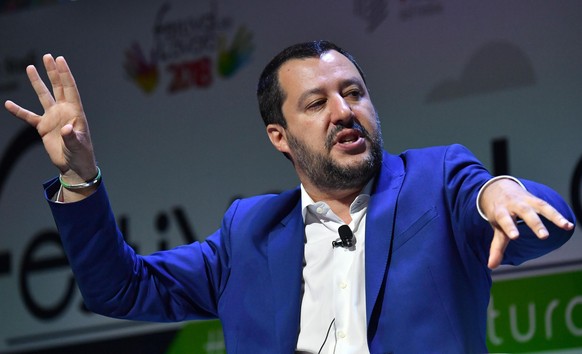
[353,92]
[315,105]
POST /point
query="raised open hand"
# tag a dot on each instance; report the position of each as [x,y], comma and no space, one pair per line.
[63,126]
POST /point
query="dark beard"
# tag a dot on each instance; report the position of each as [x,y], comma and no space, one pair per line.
[326,174]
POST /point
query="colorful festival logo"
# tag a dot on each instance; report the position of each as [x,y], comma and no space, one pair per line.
[192,50]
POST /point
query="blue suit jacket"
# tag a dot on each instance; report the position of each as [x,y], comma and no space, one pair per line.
[427,281]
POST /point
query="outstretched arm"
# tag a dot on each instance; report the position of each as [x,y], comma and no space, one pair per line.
[63,125]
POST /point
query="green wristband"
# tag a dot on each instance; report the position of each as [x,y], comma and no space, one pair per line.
[87,184]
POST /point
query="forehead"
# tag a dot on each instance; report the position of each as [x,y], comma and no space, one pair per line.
[298,75]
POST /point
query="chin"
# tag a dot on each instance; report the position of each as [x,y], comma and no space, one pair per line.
[354,160]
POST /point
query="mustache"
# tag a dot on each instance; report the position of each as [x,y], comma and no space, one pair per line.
[330,138]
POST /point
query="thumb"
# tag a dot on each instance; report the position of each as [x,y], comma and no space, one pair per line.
[71,139]
[66,130]
[498,246]
[78,152]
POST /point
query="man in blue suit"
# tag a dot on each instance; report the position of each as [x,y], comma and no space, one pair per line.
[373,252]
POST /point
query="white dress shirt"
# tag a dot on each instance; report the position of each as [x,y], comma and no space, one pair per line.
[333,308]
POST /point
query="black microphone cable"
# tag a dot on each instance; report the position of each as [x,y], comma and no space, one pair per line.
[326,335]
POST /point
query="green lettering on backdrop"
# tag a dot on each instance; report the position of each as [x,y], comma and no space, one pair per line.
[203,337]
[536,314]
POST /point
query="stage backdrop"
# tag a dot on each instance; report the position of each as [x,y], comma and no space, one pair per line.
[169,91]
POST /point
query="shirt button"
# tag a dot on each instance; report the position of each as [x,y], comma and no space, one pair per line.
[319,210]
[341,334]
[343,285]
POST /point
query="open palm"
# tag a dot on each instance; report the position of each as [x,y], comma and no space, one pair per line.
[63,126]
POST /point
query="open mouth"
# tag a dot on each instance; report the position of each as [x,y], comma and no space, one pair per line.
[348,136]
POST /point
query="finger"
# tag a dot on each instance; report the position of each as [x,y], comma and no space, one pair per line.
[498,246]
[506,223]
[534,222]
[21,113]
[43,93]
[54,77]
[531,216]
[71,93]
[552,214]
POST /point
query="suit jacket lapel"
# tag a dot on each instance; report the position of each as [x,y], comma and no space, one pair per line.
[286,248]
[379,227]
[285,252]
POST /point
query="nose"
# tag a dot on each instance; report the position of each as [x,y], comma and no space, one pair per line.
[341,112]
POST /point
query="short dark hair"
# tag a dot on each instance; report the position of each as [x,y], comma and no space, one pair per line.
[269,91]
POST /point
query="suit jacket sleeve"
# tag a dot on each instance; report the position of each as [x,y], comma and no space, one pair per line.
[180,284]
[464,176]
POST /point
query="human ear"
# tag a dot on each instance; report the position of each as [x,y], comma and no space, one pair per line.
[278,137]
